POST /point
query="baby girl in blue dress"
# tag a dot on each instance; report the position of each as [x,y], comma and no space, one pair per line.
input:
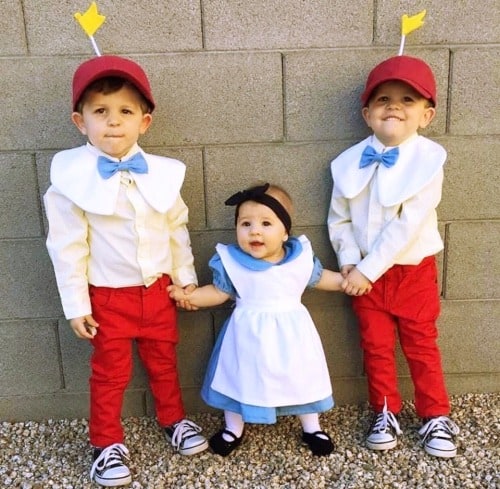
[268,360]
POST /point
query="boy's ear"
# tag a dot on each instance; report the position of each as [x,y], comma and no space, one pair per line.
[77,119]
[365,112]
[427,117]
[147,119]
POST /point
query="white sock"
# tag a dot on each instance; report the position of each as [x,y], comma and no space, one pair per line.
[310,422]
[234,424]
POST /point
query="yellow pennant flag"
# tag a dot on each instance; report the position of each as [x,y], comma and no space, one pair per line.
[91,20]
[409,24]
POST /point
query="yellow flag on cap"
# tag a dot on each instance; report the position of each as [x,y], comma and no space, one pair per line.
[90,21]
[410,24]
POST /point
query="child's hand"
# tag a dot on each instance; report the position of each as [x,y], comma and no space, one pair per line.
[85,327]
[356,283]
[344,271]
[181,296]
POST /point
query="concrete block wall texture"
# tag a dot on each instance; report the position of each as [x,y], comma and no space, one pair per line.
[246,91]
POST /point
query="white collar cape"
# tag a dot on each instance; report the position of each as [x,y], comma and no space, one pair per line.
[73,172]
[420,160]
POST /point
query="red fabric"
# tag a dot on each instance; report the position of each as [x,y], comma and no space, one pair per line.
[148,316]
[405,299]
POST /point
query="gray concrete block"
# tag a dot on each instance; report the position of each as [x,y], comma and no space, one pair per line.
[28,286]
[285,25]
[29,358]
[28,85]
[195,346]
[12,32]
[445,22]
[303,170]
[20,212]
[470,188]
[340,338]
[473,263]
[130,26]
[476,82]
[210,98]
[467,331]
[322,90]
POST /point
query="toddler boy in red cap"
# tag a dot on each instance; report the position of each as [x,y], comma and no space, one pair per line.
[382,224]
[117,238]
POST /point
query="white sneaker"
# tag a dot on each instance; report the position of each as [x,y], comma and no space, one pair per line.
[383,431]
[438,437]
[185,437]
[108,468]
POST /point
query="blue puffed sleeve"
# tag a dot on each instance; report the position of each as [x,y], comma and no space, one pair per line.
[316,273]
[220,277]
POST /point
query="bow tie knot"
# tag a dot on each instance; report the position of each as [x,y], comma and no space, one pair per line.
[370,156]
[107,167]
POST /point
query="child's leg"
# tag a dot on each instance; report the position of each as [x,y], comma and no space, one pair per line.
[111,365]
[418,341]
[234,424]
[378,340]
[418,311]
[157,338]
[310,422]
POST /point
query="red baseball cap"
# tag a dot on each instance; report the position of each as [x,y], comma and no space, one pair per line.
[410,70]
[108,65]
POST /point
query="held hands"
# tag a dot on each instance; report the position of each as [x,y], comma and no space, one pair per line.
[181,296]
[85,327]
[355,283]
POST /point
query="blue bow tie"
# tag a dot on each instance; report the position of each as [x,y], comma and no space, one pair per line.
[107,168]
[370,156]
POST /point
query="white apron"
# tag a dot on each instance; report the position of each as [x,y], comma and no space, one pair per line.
[271,354]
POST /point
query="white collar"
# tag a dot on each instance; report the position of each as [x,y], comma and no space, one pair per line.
[74,173]
[420,159]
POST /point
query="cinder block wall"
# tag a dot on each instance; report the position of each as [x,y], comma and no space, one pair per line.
[246,91]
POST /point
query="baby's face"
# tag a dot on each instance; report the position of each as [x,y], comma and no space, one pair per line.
[113,122]
[396,112]
[260,232]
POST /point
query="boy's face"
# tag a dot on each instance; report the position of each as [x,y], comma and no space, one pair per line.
[396,111]
[112,122]
[259,232]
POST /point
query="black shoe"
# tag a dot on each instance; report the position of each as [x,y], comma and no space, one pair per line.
[223,447]
[185,437]
[109,469]
[319,442]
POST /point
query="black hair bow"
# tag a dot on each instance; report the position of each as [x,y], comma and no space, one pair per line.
[254,193]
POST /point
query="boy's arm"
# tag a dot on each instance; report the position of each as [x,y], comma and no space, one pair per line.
[341,232]
[205,296]
[183,271]
[330,281]
[68,249]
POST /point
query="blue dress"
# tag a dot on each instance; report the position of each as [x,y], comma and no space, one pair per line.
[268,359]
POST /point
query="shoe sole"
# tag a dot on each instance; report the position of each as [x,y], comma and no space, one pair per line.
[194,450]
[382,446]
[440,453]
[122,481]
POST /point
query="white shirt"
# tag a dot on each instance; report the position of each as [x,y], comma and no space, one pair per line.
[382,216]
[124,231]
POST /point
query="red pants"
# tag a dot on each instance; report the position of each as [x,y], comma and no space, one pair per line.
[405,298]
[148,316]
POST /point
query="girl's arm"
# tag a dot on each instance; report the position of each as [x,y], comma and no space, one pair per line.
[205,296]
[331,281]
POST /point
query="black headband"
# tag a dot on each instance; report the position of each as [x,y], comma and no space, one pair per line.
[258,194]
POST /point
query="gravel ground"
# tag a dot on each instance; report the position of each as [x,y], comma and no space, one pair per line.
[55,454]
